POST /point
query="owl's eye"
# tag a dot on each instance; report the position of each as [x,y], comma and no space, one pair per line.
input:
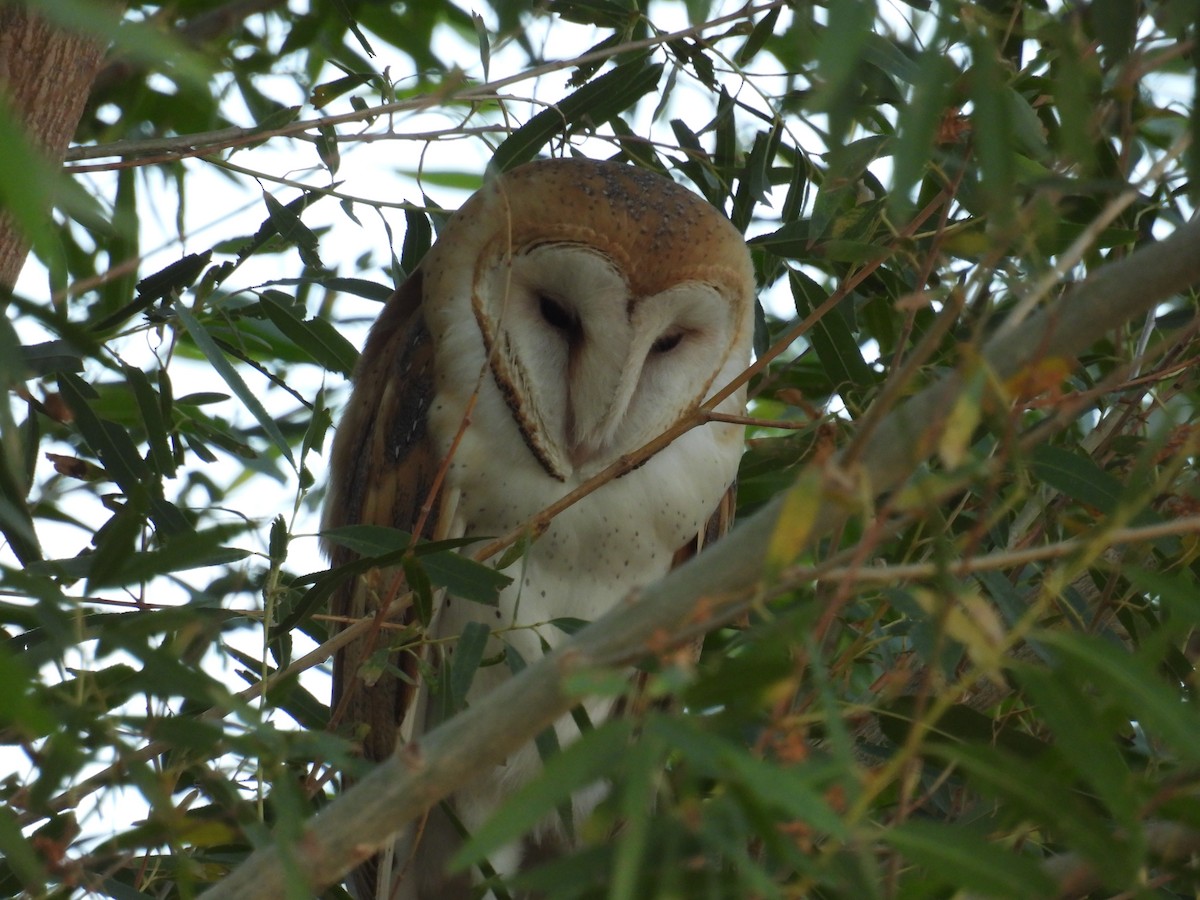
[667,342]
[558,317]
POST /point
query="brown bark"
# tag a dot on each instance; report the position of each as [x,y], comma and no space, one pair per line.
[45,76]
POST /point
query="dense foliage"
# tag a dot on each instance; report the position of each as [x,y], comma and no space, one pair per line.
[982,679]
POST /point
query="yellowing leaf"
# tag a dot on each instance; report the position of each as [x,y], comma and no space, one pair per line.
[972,622]
[962,421]
[1045,375]
[796,518]
[209,833]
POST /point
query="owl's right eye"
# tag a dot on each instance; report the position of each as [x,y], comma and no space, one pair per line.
[558,317]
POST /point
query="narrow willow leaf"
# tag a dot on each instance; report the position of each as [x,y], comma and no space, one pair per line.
[590,758]
[918,124]
[1039,792]
[114,447]
[834,342]
[792,241]
[604,13]
[963,419]
[327,91]
[230,376]
[839,50]
[1128,680]
[422,590]
[150,407]
[1077,476]
[1080,736]
[418,236]
[20,713]
[1116,23]
[468,654]
[643,763]
[958,857]
[546,740]
[359,287]
[121,244]
[368,540]
[465,578]
[316,337]
[796,519]
[598,100]
[759,35]
[327,148]
[19,855]
[485,47]
[162,285]
[793,791]
[288,225]
[992,128]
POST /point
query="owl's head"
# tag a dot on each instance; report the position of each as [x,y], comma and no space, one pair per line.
[604,300]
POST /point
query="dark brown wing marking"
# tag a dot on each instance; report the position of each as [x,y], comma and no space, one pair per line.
[382,468]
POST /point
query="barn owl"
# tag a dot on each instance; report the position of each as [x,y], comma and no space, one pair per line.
[571,311]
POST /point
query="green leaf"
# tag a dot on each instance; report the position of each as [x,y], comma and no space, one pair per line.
[19,855]
[992,128]
[643,762]
[1116,24]
[380,547]
[111,444]
[150,407]
[839,50]
[368,540]
[121,243]
[328,91]
[230,376]
[382,541]
[597,101]
[316,337]
[603,13]
[1081,737]
[1077,476]
[918,124]
[759,35]
[957,857]
[165,284]
[422,590]
[1032,789]
[289,227]
[418,236]
[359,287]
[834,342]
[579,765]
[465,578]
[20,713]
[468,654]
[792,241]
[1131,681]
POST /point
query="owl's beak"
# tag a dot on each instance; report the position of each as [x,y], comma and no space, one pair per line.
[595,417]
[582,452]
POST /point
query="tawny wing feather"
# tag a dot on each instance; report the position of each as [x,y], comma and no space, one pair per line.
[382,470]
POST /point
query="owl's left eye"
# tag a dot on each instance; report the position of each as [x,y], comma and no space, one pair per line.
[558,316]
[667,342]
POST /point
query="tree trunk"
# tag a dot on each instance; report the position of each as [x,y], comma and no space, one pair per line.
[45,77]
